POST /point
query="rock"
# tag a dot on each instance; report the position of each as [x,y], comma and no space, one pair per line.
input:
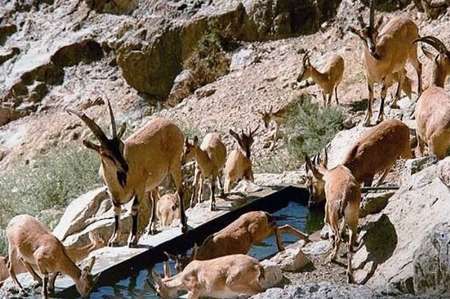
[280,179]
[117,6]
[245,186]
[292,259]
[415,213]
[317,248]
[431,263]
[325,232]
[374,203]
[318,290]
[8,54]
[443,171]
[183,86]
[272,274]
[5,31]
[242,58]
[93,211]
[413,166]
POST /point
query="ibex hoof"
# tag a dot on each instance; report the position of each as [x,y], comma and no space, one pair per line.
[132,244]
[350,278]
[113,244]
[395,106]
[184,229]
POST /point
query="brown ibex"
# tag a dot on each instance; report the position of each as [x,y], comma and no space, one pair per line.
[343,196]
[33,244]
[223,277]
[328,79]
[433,107]
[210,159]
[386,52]
[239,163]
[138,164]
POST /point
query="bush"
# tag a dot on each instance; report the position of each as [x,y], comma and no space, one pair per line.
[3,243]
[209,60]
[310,128]
[48,183]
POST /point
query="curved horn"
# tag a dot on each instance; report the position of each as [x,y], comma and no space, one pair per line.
[372,15]
[91,125]
[434,42]
[113,121]
[254,131]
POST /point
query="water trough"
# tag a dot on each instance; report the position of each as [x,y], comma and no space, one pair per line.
[125,262]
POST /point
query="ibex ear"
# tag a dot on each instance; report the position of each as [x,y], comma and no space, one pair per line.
[91,145]
[235,135]
[356,32]
[122,130]
[195,140]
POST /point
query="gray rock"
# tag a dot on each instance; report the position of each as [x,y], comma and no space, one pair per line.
[317,248]
[415,213]
[183,86]
[273,275]
[242,58]
[413,166]
[292,259]
[374,203]
[280,179]
[317,290]
[444,171]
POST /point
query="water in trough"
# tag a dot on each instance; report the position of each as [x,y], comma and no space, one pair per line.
[295,214]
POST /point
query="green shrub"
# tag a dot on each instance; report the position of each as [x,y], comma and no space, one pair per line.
[209,60]
[3,243]
[310,128]
[50,182]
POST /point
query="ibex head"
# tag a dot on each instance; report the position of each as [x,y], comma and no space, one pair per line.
[441,60]
[306,67]
[266,116]
[87,281]
[189,149]
[111,151]
[315,171]
[245,140]
[369,33]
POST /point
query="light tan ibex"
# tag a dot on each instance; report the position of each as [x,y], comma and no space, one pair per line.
[75,253]
[223,277]
[210,159]
[328,79]
[343,196]
[239,163]
[140,163]
[376,151]
[386,52]
[36,247]
[167,208]
[433,107]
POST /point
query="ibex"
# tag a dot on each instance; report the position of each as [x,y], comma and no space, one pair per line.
[343,196]
[36,247]
[239,163]
[239,236]
[223,277]
[433,107]
[135,165]
[76,254]
[210,159]
[328,79]
[167,208]
[386,52]
[376,151]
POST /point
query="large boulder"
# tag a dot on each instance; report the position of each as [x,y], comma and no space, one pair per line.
[292,259]
[419,214]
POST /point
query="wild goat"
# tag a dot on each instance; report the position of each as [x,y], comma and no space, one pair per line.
[386,52]
[328,79]
[239,163]
[138,164]
[35,246]
[76,254]
[278,116]
[167,207]
[433,107]
[239,236]
[223,277]
[210,159]
[375,151]
[343,196]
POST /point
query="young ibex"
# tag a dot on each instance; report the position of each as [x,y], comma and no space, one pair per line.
[135,165]
[239,163]
[76,254]
[386,52]
[33,244]
[328,79]
[239,236]
[433,107]
[223,277]
[167,208]
[210,159]
[343,196]
[376,151]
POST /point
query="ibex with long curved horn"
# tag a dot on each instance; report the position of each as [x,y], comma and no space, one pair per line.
[386,52]
[433,107]
[135,165]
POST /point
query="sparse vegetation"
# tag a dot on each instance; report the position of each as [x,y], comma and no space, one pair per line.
[3,243]
[309,128]
[209,60]
[49,183]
